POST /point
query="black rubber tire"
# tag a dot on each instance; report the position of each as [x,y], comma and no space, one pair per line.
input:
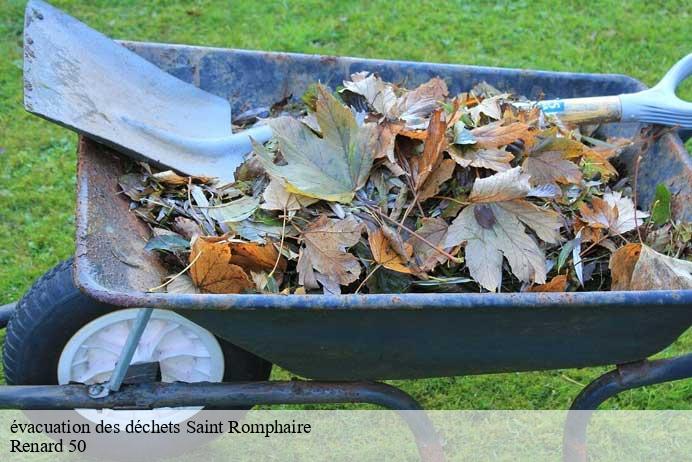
[53,310]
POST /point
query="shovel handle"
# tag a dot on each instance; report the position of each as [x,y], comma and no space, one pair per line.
[658,105]
[595,109]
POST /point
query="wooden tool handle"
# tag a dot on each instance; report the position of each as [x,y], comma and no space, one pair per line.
[596,109]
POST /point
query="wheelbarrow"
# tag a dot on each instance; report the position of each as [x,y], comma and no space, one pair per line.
[218,349]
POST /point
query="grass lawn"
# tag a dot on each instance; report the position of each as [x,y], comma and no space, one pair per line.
[37,180]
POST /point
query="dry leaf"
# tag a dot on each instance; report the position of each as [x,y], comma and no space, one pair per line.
[493,159]
[495,135]
[256,257]
[379,94]
[169,177]
[489,106]
[596,160]
[276,197]
[639,267]
[503,186]
[550,167]
[432,184]
[386,137]
[433,230]
[613,213]
[332,167]
[186,227]
[412,107]
[385,255]
[325,243]
[493,227]
[212,270]
[432,150]
[556,284]
[234,211]
[182,284]
[622,263]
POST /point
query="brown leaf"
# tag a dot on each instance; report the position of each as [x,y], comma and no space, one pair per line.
[596,160]
[384,255]
[614,213]
[432,150]
[493,159]
[186,227]
[639,267]
[325,243]
[503,186]
[256,257]
[434,230]
[386,137]
[556,284]
[495,135]
[212,270]
[169,177]
[622,264]
[421,135]
[550,167]
[432,184]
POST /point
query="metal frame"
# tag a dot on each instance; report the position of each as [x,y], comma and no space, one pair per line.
[623,377]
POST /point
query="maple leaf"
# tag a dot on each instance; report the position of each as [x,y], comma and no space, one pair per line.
[556,284]
[276,197]
[433,230]
[487,139]
[493,227]
[494,135]
[212,270]
[332,167]
[412,107]
[384,255]
[548,161]
[595,160]
[431,158]
[639,267]
[324,252]
[379,94]
[614,213]
[493,159]
[489,107]
[253,257]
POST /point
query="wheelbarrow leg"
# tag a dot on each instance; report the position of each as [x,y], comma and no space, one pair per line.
[128,351]
[624,377]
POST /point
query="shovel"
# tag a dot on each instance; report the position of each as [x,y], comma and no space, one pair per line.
[81,79]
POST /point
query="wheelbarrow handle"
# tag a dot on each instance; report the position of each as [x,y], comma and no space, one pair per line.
[658,105]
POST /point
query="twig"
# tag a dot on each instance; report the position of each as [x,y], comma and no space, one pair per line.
[634,196]
[153,289]
[281,245]
[366,278]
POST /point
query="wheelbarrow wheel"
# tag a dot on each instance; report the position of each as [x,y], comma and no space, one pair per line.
[51,319]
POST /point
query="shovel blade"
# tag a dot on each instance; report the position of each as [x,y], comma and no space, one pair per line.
[81,79]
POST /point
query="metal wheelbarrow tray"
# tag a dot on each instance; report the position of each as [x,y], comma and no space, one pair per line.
[364,337]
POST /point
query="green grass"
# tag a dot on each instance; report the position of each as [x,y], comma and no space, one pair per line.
[638,38]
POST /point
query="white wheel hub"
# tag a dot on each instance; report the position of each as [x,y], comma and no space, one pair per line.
[185,351]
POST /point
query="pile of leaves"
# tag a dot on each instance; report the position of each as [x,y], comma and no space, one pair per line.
[378,189]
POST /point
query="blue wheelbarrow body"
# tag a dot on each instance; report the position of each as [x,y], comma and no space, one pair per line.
[388,336]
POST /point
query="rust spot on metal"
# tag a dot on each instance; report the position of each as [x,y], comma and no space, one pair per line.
[329,59]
